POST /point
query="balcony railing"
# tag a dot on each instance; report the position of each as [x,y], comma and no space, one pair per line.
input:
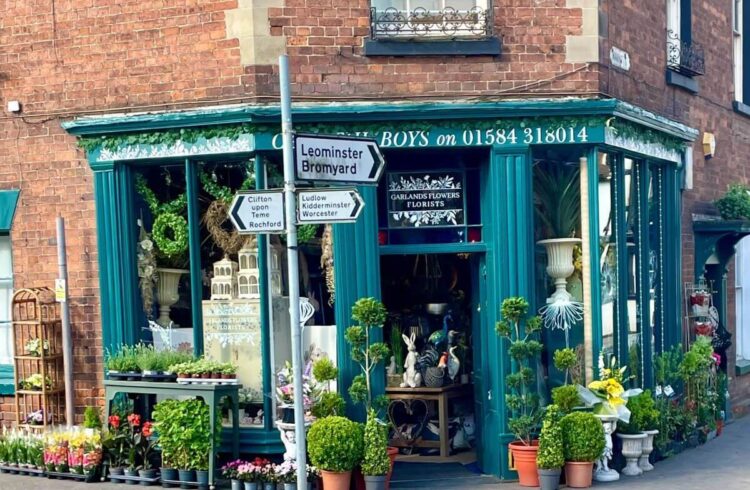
[686,58]
[422,23]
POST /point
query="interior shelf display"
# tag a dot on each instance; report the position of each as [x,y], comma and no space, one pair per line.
[38,359]
[702,318]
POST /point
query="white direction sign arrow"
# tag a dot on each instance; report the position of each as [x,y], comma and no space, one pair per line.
[333,205]
[337,159]
[258,212]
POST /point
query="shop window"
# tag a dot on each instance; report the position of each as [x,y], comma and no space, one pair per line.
[608,225]
[742,295]
[655,258]
[6,294]
[741,48]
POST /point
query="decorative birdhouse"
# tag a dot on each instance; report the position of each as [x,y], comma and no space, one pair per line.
[276,284]
[249,275]
[224,282]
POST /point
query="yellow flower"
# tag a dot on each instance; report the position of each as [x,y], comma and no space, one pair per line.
[596,385]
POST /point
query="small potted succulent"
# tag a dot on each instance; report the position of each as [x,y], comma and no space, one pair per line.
[583,443]
[550,459]
[335,445]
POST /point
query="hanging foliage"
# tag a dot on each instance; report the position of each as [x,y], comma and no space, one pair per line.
[170,229]
[326,262]
[217,214]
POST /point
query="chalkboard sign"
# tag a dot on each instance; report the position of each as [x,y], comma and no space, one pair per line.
[426,199]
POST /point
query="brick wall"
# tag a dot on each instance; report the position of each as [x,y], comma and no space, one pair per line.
[640,29]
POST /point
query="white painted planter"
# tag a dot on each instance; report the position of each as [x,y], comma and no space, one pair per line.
[648,447]
[167,293]
[602,471]
[632,447]
[560,264]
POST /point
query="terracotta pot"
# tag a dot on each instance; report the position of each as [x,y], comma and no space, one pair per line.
[524,461]
[392,453]
[578,474]
[336,481]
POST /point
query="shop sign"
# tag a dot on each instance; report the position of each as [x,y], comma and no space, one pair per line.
[421,199]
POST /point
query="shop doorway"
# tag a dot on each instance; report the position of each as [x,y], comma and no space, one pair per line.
[434,301]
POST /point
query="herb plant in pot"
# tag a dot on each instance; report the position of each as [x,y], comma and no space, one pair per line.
[376,463]
[649,423]
[643,415]
[550,459]
[583,443]
[522,400]
[164,420]
[335,445]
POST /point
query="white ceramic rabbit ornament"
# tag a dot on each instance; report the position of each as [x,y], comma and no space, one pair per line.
[412,377]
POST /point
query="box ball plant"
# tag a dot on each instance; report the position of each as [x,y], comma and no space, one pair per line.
[550,459]
[735,204]
[583,443]
[522,400]
[335,445]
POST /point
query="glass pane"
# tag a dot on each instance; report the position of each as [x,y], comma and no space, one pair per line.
[655,246]
[607,252]
[633,244]
[6,257]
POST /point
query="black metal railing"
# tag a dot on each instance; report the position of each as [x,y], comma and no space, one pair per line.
[685,57]
[421,23]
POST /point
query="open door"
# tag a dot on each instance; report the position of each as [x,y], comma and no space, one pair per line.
[485,420]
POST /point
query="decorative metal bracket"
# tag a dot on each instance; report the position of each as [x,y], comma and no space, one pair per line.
[687,58]
[424,24]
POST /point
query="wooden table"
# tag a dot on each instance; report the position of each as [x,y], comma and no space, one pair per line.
[441,396]
[210,393]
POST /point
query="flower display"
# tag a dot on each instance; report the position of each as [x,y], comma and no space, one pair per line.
[230,470]
[286,472]
[607,396]
[285,388]
[75,450]
[34,347]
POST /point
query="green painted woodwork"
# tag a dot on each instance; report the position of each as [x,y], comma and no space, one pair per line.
[357,275]
[644,291]
[672,285]
[8,202]
[592,165]
[432,248]
[194,238]
[7,380]
[621,337]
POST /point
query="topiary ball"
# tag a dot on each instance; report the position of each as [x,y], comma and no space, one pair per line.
[583,437]
[335,444]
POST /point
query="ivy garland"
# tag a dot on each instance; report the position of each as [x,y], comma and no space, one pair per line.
[178,226]
[174,206]
[629,130]
[222,192]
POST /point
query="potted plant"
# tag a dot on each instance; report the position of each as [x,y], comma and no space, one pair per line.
[522,400]
[368,313]
[92,418]
[35,347]
[632,440]
[165,420]
[643,417]
[735,204]
[335,445]
[115,444]
[376,462]
[550,459]
[583,443]
[230,472]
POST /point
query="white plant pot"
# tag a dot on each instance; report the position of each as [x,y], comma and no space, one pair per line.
[560,265]
[648,447]
[632,447]
[167,293]
[602,471]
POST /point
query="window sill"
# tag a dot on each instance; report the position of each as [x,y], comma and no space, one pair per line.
[742,367]
[743,109]
[7,383]
[468,47]
[678,80]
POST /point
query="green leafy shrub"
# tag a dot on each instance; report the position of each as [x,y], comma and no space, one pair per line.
[643,414]
[330,403]
[735,204]
[335,444]
[565,360]
[368,313]
[324,370]
[376,461]
[550,455]
[92,418]
[566,398]
[185,433]
[522,400]
[583,437]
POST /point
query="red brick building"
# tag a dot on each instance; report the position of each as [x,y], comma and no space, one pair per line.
[132,67]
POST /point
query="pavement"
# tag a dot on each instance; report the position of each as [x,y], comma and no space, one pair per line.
[720,462]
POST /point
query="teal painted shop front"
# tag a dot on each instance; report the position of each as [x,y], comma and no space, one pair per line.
[630,164]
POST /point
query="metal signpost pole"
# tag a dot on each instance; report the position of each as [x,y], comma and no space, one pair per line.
[293,267]
[67,339]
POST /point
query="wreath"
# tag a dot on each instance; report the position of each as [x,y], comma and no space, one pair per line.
[170,233]
[217,213]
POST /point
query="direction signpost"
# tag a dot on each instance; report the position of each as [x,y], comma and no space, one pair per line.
[335,205]
[258,212]
[337,159]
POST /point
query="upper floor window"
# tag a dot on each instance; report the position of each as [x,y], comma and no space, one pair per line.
[738,30]
[683,55]
[6,295]
[430,19]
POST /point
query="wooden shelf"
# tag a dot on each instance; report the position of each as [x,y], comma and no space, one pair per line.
[52,357]
[31,426]
[40,392]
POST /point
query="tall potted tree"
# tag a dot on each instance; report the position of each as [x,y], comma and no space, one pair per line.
[522,400]
[550,458]
[376,463]
[583,443]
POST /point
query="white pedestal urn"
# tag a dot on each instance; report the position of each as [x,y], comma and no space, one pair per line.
[560,264]
[602,471]
[288,438]
[648,447]
[632,447]
[167,292]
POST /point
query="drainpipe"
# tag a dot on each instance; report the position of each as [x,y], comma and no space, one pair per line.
[67,341]
[588,341]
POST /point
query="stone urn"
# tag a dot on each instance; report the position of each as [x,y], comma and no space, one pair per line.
[632,447]
[560,265]
[167,293]
[648,447]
